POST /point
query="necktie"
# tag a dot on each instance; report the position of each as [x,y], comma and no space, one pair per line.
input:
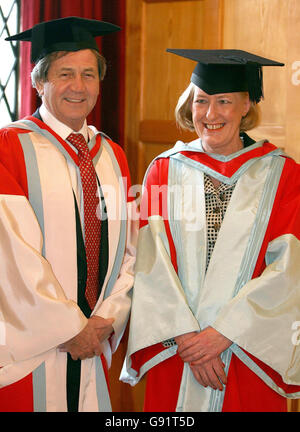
[92,223]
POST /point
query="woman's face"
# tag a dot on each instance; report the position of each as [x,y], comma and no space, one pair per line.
[217,120]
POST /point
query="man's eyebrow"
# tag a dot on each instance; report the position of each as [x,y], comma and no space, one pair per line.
[66,68]
[90,69]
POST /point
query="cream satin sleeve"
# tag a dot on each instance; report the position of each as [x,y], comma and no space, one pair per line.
[160,310]
[263,317]
[159,307]
[35,314]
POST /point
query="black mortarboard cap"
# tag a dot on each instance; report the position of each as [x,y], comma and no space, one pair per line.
[227,71]
[63,34]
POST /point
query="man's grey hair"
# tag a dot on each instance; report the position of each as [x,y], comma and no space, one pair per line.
[39,73]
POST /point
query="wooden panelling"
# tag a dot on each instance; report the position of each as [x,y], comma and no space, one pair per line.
[163,131]
[157,136]
[124,398]
[133,83]
[154,78]
[165,75]
[259,39]
[213,17]
[168,1]
[292,118]
[273,33]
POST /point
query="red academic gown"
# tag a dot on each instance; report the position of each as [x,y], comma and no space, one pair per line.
[245,391]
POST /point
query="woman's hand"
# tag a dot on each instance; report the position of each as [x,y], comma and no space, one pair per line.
[180,339]
[199,348]
[210,374]
[202,351]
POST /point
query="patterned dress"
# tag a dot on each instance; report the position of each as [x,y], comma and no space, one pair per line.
[216,202]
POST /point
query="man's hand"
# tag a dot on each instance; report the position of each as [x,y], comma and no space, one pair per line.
[103,327]
[87,343]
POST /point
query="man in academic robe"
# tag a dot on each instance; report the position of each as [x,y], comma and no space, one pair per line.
[67,230]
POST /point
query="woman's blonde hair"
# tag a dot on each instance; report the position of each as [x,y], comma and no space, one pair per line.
[184,118]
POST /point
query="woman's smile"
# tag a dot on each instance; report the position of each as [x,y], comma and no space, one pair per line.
[217,120]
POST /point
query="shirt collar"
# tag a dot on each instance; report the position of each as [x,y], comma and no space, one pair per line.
[60,128]
[210,189]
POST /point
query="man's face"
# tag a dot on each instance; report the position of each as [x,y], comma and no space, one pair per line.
[72,88]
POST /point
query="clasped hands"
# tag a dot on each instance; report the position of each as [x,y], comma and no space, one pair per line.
[202,351]
[87,343]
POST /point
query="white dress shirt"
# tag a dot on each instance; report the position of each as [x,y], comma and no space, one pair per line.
[64,131]
[60,128]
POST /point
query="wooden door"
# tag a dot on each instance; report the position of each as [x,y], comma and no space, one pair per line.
[154,78]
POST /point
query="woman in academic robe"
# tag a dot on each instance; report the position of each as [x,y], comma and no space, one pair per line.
[215,310]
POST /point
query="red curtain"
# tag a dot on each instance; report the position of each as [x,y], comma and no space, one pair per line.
[108,114]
